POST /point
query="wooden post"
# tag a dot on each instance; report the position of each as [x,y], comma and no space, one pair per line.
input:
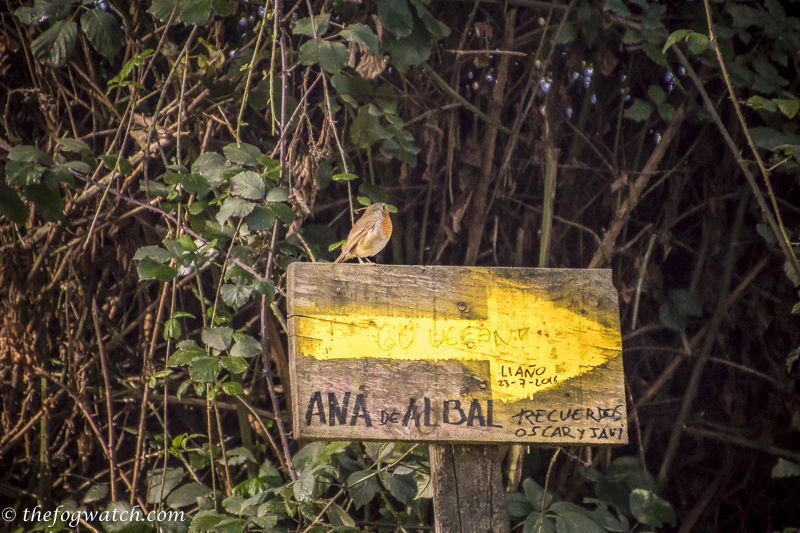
[455,356]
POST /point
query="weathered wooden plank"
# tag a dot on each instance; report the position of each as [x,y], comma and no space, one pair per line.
[455,354]
[468,495]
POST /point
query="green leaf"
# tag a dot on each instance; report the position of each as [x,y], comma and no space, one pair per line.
[536,494]
[767,233]
[73,145]
[676,36]
[363,200]
[283,212]
[12,206]
[617,7]
[364,130]
[149,269]
[234,207]
[191,183]
[331,56]
[160,482]
[56,44]
[172,329]
[574,522]
[186,352]
[206,521]
[186,495]
[95,494]
[276,194]
[236,295]
[344,177]
[21,173]
[438,29]
[244,154]
[205,369]
[639,111]
[303,25]
[787,107]
[568,33]
[650,509]
[29,154]
[260,219]
[518,505]
[657,94]
[47,202]
[395,16]
[246,347]
[248,184]
[698,42]
[655,54]
[103,31]
[232,388]
[785,468]
[114,162]
[686,302]
[411,50]
[156,253]
[362,486]
[402,487]
[219,338]
[208,162]
[363,34]
[234,365]
[339,517]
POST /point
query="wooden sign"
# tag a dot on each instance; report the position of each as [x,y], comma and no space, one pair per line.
[456,354]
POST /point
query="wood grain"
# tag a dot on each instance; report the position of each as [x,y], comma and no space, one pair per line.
[455,354]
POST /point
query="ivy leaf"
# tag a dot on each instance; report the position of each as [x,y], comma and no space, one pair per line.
[363,34]
[396,17]
[303,26]
[12,206]
[249,184]
[103,31]
[56,44]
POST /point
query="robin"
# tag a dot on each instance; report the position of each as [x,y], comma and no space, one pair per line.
[369,235]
